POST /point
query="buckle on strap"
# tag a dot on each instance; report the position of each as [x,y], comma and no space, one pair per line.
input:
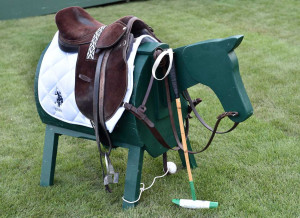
[228,114]
[195,103]
[139,113]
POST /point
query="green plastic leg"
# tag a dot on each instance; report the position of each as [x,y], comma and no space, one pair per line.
[133,175]
[49,156]
[191,156]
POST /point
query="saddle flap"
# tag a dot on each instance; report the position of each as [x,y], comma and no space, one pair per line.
[111,35]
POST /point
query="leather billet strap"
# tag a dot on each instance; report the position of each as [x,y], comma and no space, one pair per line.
[98,114]
[96,122]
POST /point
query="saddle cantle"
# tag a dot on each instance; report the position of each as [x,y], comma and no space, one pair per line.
[101,69]
[76,27]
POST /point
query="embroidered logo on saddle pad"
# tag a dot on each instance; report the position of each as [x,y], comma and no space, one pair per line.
[59,99]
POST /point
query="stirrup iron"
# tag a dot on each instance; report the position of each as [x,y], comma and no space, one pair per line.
[111,176]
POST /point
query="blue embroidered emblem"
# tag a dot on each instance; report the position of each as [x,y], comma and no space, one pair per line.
[59,99]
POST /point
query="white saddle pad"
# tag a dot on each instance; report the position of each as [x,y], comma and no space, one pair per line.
[56,84]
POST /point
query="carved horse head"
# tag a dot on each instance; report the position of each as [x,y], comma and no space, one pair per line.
[213,63]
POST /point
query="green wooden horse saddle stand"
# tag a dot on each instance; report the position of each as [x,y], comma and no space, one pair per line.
[212,63]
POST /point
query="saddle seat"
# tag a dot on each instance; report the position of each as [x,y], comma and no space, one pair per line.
[76,27]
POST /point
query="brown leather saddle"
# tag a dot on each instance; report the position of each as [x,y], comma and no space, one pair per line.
[101,69]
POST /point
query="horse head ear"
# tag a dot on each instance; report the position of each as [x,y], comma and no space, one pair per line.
[232,42]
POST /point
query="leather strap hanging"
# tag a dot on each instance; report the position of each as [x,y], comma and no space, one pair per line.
[140,114]
[214,131]
[192,107]
[95,123]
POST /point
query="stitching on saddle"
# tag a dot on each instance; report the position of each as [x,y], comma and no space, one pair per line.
[91,52]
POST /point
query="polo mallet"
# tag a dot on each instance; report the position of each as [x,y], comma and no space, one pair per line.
[186,203]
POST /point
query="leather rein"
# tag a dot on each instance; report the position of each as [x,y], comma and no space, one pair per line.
[140,114]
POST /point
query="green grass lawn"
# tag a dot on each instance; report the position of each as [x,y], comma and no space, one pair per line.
[253,171]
